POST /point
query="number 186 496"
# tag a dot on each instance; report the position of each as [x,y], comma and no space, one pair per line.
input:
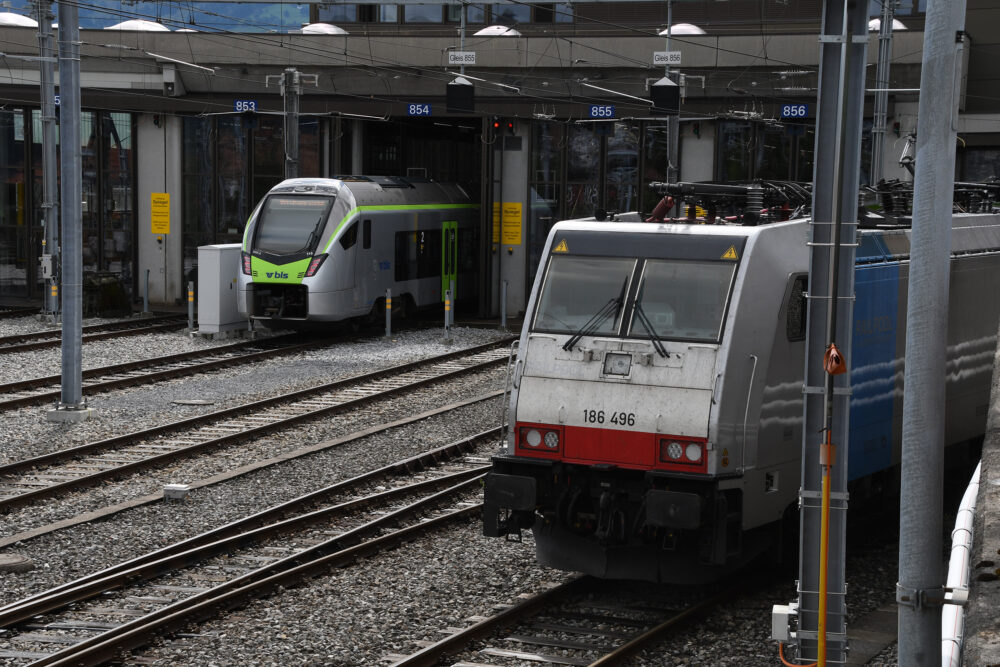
[617,418]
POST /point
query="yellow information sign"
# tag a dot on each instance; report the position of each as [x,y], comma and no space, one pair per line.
[496,222]
[730,254]
[511,223]
[562,247]
[159,207]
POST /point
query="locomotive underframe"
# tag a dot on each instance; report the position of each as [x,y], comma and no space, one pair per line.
[278,301]
[610,521]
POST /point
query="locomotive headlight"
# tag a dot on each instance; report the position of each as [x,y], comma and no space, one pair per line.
[674,450]
[533,438]
[246,264]
[617,364]
[693,452]
[314,265]
[551,439]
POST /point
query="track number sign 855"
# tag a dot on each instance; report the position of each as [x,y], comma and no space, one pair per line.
[602,111]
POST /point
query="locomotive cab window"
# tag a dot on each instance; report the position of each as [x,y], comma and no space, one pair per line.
[682,299]
[349,237]
[584,293]
[795,324]
[288,225]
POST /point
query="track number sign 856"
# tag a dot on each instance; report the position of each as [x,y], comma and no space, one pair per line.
[794,110]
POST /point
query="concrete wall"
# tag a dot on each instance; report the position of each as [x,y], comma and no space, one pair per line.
[512,257]
[697,154]
[158,143]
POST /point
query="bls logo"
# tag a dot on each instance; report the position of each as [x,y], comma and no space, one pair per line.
[277,274]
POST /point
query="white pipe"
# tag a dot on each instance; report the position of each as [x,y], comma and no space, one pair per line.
[953,615]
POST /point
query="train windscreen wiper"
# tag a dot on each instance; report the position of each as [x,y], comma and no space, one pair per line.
[613,306]
[657,341]
[313,237]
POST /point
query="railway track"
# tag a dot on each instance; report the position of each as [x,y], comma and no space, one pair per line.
[100,616]
[583,621]
[36,391]
[57,473]
[7,312]
[53,337]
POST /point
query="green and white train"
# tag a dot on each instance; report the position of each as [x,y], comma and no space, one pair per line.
[323,250]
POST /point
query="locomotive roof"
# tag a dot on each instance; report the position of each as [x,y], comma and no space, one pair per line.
[378,190]
[591,225]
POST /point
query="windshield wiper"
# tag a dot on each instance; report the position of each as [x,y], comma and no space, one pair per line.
[657,341]
[613,306]
[309,242]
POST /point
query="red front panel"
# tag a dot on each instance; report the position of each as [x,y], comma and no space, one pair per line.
[627,449]
[600,445]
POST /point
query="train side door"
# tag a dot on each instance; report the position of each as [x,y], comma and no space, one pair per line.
[449,256]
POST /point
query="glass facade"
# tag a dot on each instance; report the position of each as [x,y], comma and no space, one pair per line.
[107,203]
[16,234]
[754,150]
[229,164]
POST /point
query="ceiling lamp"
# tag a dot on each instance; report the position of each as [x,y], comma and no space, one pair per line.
[322,29]
[876,24]
[139,25]
[683,29]
[497,31]
[10,19]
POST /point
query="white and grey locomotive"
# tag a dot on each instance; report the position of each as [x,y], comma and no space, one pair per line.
[656,402]
[321,250]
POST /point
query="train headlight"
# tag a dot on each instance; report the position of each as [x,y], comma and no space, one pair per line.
[551,439]
[693,452]
[314,265]
[674,450]
[246,264]
[533,438]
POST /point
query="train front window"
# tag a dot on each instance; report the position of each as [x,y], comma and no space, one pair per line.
[291,224]
[683,300]
[578,290]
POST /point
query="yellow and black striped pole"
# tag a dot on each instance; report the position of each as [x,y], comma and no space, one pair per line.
[447,313]
[388,313]
[191,306]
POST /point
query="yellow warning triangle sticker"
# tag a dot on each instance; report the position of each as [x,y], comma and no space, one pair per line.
[562,247]
[730,254]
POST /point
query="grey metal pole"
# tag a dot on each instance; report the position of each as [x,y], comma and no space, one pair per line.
[50,208]
[388,313]
[881,91]
[822,633]
[673,120]
[145,294]
[291,88]
[72,220]
[190,306]
[461,38]
[503,305]
[921,577]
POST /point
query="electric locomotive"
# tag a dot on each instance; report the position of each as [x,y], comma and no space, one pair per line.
[319,250]
[656,402]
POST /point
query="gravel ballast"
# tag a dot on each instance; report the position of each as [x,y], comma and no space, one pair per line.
[353,616]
